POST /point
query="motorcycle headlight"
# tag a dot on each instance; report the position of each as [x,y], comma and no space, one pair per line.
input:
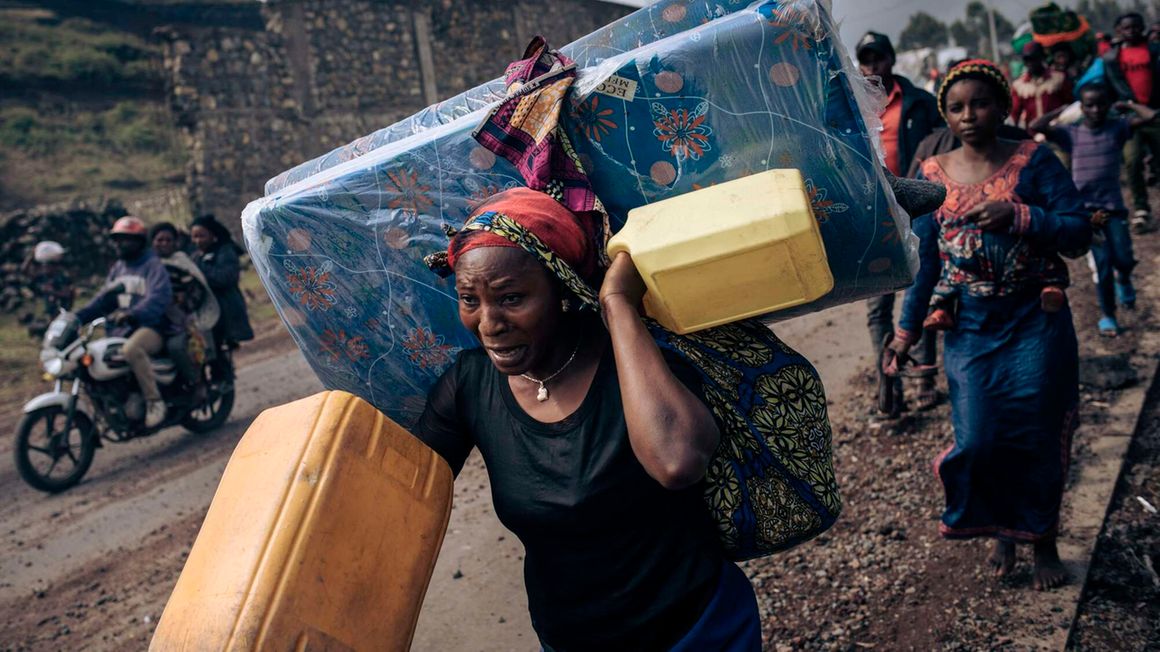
[54,366]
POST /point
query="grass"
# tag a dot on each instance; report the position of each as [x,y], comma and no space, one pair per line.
[58,141]
[37,48]
[126,129]
[21,376]
[49,155]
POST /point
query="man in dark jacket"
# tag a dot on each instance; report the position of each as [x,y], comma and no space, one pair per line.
[909,116]
[137,309]
[1132,69]
[910,113]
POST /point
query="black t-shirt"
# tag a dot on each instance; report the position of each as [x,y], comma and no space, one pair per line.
[613,560]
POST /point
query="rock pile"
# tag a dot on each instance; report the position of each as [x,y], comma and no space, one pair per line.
[82,227]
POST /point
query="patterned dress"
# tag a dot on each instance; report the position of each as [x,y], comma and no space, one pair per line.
[1012,368]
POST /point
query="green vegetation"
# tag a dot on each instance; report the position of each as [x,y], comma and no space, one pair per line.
[127,128]
[37,48]
[53,153]
[80,115]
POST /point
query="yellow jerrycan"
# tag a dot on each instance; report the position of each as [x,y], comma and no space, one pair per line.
[743,248]
[322,535]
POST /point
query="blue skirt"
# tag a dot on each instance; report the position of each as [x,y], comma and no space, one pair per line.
[729,623]
[1012,371]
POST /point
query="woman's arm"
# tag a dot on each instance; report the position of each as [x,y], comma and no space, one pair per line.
[439,427]
[671,431]
[917,298]
[1042,124]
[1057,221]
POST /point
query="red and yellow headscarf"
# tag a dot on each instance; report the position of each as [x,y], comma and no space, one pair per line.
[537,223]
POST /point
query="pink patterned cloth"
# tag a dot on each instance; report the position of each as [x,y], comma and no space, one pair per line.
[524,128]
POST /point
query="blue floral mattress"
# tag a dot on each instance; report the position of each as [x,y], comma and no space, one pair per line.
[678,96]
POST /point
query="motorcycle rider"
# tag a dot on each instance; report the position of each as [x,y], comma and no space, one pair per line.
[138,310]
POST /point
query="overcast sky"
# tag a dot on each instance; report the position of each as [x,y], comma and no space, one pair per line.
[855,17]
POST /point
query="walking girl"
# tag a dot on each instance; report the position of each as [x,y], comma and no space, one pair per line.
[994,251]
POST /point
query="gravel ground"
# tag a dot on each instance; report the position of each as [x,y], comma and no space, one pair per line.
[1120,609]
[883,579]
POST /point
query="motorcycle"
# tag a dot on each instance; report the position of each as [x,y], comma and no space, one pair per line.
[59,432]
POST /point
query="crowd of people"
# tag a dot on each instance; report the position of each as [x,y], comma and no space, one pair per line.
[597,438]
[1032,169]
[169,292]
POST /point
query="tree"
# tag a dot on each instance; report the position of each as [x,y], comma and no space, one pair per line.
[1102,14]
[974,31]
[923,31]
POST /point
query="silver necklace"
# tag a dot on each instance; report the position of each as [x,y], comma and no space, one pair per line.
[542,394]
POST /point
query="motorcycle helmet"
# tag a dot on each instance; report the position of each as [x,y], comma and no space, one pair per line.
[48,251]
[129,225]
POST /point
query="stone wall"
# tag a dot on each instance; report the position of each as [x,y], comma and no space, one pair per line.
[320,73]
[81,227]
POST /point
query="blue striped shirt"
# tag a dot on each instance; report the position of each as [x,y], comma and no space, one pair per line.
[1096,159]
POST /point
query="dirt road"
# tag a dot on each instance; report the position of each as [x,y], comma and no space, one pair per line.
[91,569]
[135,496]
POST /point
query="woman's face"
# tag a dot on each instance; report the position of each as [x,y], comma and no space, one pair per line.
[973,112]
[164,244]
[510,303]
[202,238]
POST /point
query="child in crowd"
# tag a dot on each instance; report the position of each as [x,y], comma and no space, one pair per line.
[1095,145]
[1132,72]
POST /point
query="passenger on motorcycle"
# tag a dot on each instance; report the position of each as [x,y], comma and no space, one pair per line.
[138,310]
[217,257]
[194,310]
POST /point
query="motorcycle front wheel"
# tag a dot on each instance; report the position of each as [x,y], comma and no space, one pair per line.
[47,457]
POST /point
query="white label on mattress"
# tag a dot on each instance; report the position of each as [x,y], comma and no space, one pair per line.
[620,87]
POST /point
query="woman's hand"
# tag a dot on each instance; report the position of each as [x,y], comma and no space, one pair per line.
[895,356]
[623,279]
[992,215]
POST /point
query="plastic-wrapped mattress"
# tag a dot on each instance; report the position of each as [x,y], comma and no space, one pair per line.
[676,97]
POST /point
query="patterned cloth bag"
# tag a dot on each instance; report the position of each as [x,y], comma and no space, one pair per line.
[770,484]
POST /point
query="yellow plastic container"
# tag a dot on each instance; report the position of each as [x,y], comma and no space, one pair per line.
[322,536]
[723,253]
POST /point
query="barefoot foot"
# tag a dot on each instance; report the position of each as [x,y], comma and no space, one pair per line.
[1049,571]
[1002,558]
